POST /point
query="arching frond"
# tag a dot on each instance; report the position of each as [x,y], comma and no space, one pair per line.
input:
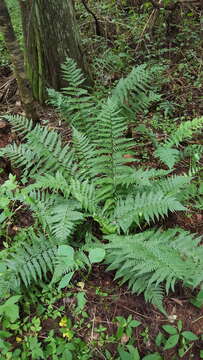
[144,206]
[184,131]
[148,259]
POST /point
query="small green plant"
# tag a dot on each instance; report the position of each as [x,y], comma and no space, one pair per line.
[35,325]
[99,292]
[10,310]
[58,348]
[125,326]
[145,335]
[184,339]
[129,352]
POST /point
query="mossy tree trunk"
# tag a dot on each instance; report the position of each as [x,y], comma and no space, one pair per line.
[18,63]
[50,33]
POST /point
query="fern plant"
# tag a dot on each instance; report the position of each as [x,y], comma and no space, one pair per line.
[74,103]
[90,179]
[132,95]
[168,152]
[38,258]
[148,259]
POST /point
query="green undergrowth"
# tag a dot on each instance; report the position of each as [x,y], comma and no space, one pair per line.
[89,206]
[95,200]
[135,33]
[70,326]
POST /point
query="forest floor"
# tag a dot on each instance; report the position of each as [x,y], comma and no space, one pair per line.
[105,298]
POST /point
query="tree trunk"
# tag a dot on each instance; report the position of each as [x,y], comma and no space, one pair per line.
[17,61]
[201,26]
[50,34]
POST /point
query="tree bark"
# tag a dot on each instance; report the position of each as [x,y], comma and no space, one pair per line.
[50,33]
[201,26]
[17,60]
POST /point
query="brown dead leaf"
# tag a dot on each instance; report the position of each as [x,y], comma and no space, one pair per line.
[125,338]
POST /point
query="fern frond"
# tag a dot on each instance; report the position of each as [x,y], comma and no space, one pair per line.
[63,219]
[72,74]
[30,262]
[152,180]
[55,183]
[41,199]
[67,261]
[77,107]
[87,196]
[84,193]
[57,215]
[139,80]
[148,259]
[144,206]
[184,131]
[133,94]
[193,151]
[166,153]
[39,202]
[140,103]
[59,101]
[155,295]
[78,110]
[140,177]
[84,154]
[20,123]
[33,261]
[20,155]
[171,186]
[111,146]
[51,156]
[43,152]
[168,156]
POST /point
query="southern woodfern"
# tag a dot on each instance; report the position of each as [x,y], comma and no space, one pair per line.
[91,179]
